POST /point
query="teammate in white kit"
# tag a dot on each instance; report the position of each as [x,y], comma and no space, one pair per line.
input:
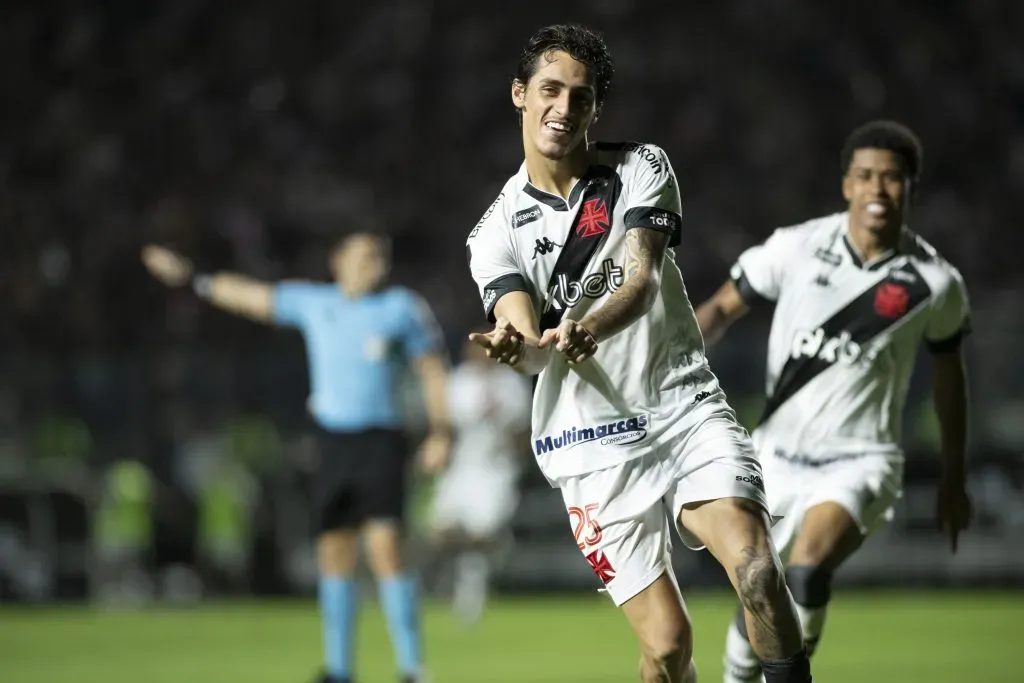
[856,293]
[574,265]
[476,497]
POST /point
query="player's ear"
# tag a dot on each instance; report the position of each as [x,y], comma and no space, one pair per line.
[518,94]
[847,187]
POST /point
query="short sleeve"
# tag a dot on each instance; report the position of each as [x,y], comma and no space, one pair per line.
[950,319]
[760,271]
[492,258]
[420,332]
[292,302]
[652,196]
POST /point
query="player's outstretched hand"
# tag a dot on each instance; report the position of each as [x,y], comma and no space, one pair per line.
[504,343]
[167,266]
[954,510]
[571,339]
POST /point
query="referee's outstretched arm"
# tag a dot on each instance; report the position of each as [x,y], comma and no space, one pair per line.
[232,292]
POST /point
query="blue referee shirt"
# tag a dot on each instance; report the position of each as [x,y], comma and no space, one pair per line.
[356,349]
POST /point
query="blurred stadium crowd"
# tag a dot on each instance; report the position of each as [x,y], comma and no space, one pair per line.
[251,139]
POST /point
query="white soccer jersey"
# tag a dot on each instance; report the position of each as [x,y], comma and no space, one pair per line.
[646,384]
[845,335]
[488,407]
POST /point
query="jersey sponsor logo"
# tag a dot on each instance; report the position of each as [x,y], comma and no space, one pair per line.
[566,293]
[822,280]
[489,296]
[593,220]
[620,433]
[487,214]
[891,300]
[827,256]
[751,479]
[814,344]
[655,160]
[543,247]
[521,218]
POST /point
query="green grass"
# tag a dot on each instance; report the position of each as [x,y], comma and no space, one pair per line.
[875,637]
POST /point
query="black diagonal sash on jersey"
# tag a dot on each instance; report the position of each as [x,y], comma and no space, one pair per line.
[860,319]
[578,250]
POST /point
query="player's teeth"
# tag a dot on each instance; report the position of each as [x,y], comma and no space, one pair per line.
[558,126]
[876,208]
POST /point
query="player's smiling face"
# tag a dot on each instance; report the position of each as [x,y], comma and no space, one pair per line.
[877,188]
[558,105]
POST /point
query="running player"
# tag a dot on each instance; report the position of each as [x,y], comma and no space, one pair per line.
[856,293]
[574,265]
[358,336]
[476,496]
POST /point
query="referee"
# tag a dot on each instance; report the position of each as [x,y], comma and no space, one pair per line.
[359,334]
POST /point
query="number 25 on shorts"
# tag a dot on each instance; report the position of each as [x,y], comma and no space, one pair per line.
[584,527]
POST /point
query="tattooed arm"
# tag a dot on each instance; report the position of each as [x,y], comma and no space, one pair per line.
[645,252]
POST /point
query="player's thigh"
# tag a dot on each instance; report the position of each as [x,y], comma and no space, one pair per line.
[721,496]
[619,525]
[827,536]
[841,505]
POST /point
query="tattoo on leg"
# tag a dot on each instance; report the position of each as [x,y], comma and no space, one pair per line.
[773,629]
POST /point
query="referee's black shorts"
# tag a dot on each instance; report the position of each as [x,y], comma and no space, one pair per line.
[361,476]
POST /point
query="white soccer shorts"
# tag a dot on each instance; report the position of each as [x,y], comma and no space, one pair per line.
[620,516]
[866,486]
[476,501]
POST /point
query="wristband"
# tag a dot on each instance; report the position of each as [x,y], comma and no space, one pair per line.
[202,285]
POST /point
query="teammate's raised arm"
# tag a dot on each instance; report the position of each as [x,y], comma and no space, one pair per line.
[234,293]
[715,315]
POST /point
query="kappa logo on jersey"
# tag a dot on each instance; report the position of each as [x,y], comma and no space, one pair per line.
[593,218]
[813,344]
[620,433]
[566,293]
[521,218]
[891,300]
[543,248]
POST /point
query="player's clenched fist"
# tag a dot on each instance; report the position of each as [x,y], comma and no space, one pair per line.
[570,339]
[504,343]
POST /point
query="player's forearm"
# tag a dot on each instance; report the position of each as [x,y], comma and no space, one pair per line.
[713,322]
[533,359]
[625,306]
[237,294]
[951,405]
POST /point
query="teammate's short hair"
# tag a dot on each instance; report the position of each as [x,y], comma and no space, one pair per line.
[583,44]
[889,135]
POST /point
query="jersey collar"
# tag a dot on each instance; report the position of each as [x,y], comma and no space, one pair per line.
[877,262]
[553,200]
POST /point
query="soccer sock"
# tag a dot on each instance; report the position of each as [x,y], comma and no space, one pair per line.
[399,596]
[338,605]
[740,663]
[795,669]
[472,573]
[811,588]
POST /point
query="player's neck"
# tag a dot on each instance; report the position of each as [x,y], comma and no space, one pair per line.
[873,243]
[557,176]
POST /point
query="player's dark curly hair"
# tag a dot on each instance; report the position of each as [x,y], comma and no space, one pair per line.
[583,44]
[889,135]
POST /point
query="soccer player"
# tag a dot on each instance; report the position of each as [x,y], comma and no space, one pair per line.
[855,294]
[356,331]
[476,496]
[574,264]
